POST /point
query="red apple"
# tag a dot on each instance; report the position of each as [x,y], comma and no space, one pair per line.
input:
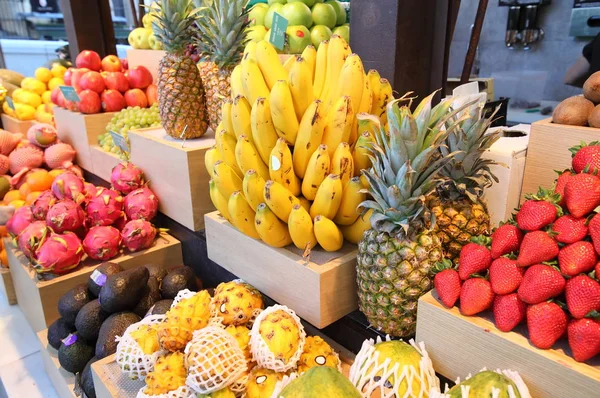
[112,101]
[60,98]
[67,76]
[136,97]
[89,102]
[111,63]
[152,94]
[76,78]
[116,81]
[92,81]
[125,63]
[54,95]
[89,59]
[72,106]
[139,77]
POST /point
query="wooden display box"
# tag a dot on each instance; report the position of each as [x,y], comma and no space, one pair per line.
[548,151]
[63,381]
[103,162]
[460,345]
[7,286]
[81,131]
[321,290]
[15,125]
[38,299]
[147,58]
[176,173]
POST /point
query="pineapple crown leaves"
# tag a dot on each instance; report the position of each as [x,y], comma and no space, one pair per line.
[582,144]
[482,240]
[173,24]
[443,265]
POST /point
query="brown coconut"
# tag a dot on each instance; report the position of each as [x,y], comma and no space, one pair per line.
[573,111]
[594,118]
[591,88]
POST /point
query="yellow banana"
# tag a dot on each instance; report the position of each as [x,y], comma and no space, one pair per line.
[253,81]
[361,152]
[310,56]
[328,198]
[226,116]
[218,200]
[271,229]
[247,157]
[250,51]
[301,228]
[320,69]
[287,65]
[351,199]
[310,135]
[281,167]
[351,80]
[240,117]
[328,234]
[210,158]
[337,52]
[269,63]
[339,124]
[242,214]
[342,163]
[226,179]
[374,79]
[263,130]
[300,79]
[364,107]
[282,112]
[385,95]
[253,187]
[236,82]
[353,233]
[279,199]
[316,171]
[305,203]
[226,145]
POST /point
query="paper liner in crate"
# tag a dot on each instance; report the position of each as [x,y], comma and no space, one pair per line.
[181,392]
[515,377]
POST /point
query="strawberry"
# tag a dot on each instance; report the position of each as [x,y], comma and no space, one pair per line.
[538,211]
[594,231]
[474,257]
[476,295]
[505,275]
[509,311]
[561,182]
[583,296]
[582,194]
[569,229]
[537,247]
[505,240]
[586,158]
[584,338]
[447,283]
[540,283]
[597,271]
[546,323]
[577,258]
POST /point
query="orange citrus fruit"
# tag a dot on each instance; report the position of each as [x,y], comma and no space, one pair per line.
[4,258]
[3,231]
[25,190]
[17,203]
[40,180]
[32,197]
[55,173]
[12,195]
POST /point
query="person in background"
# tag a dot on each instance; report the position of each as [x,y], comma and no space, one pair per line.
[6,213]
[586,65]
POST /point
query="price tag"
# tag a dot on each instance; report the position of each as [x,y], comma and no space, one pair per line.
[69,93]
[98,277]
[277,34]
[70,339]
[120,141]
[10,102]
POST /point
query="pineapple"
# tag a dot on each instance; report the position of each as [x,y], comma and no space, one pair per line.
[236,303]
[396,257]
[221,41]
[460,213]
[281,334]
[169,374]
[317,353]
[182,320]
[147,338]
[242,336]
[181,95]
[261,382]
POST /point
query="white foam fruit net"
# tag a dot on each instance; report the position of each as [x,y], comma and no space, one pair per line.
[182,295]
[371,376]
[213,360]
[181,392]
[261,353]
[465,390]
[130,357]
[281,384]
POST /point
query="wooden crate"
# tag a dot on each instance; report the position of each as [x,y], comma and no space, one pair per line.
[63,381]
[81,131]
[7,286]
[460,345]
[321,290]
[39,299]
[15,125]
[548,151]
[103,162]
[148,58]
[176,173]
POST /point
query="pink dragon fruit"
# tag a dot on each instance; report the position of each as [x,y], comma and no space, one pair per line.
[121,222]
[42,204]
[8,141]
[105,208]
[42,135]
[19,221]
[65,215]
[59,155]
[23,159]
[138,235]
[141,204]
[68,186]
[4,164]
[59,254]
[74,169]
[126,177]
[102,243]
[31,238]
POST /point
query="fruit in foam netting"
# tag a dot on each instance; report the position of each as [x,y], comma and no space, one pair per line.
[59,155]
[31,237]
[59,253]
[138,235]
[42,135]
[4,164]
[65,215]
[19,221]
[68,186]
[42,204]
[141,204]
[8,141]
[23,159]
[126,177]
[102,243]
[104,208]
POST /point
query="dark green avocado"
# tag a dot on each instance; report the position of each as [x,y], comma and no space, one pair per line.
[89,320]
[161,307]
[112,327]
[74,353]
[178,279]
[157,271]
[151,295]
[86,381]
[123,291]
[101,273]
[72,301]
[58,331]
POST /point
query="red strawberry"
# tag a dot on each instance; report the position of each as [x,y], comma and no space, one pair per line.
[597,271]
[561,182]
[594,231]
[583,295]
[475,296]
[474,258]
[586,158]
[505,275]
[584,338]
[509,311]
[582,194]
[539,211]
[546,323]
[506,239]
[569,229]
[540,283]
[577,258]
[537,247]
[447,283]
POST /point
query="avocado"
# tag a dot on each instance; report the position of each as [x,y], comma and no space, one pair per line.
[161,307]
[98,277]
[178,279]
[157,271]
[58,331]
[86,381]
[151,295]
[74,353]
[123,291]
[112,327]
[72,301]
[89,320]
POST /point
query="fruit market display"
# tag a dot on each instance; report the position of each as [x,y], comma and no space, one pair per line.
[581,110]
[540,267]
[487,383]
[143,38]
[290,147]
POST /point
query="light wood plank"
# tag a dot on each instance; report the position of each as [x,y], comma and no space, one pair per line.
[103,162]
[8,286]
[15,125]
[63,381]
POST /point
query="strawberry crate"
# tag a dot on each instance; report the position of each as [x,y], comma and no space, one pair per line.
[15,125]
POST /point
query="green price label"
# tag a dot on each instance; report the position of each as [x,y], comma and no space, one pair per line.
[11,104]
[277,34]
[120,141]
[69,93]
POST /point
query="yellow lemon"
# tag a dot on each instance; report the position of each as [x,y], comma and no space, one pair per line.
[16,95]
[50,107]
[58,70]
[7,109]
[26,82]
[25,112]
[46,97]
[54,82]
[42,116]
[43,74]
[41,108]
[30,98]
[17,203]
[37,87]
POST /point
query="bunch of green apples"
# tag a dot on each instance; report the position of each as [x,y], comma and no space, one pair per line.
[144,38]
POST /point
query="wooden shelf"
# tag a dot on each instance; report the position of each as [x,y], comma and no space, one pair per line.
[63,381]
[15,125]
[7,286]
[103,162]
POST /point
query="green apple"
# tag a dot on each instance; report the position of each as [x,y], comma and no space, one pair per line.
[343,31]
[138,38]
[147,20]
[154,43]
[297,14]
[256,33]
[319,33]
[340,11]
[324,14]
[256,15]
[271,2]
[275,8]
[309,3]
[297,38]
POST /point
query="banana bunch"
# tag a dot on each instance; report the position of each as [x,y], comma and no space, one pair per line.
[286,166]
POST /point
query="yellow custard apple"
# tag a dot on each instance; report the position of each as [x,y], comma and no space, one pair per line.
[169,374]
[236,302]
[147,338]
[261,382]
[182,320]
[317,353]
[242,336]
